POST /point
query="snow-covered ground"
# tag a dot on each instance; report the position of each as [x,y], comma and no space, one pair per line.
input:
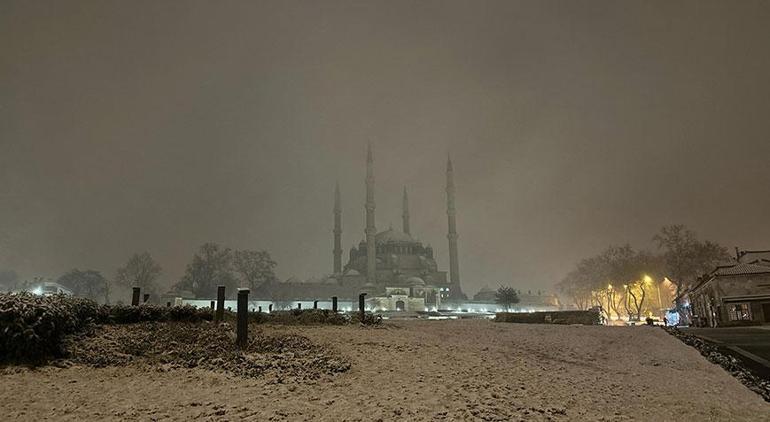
[418,370]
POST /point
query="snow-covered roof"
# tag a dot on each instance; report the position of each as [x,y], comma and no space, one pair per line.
[393,235]
[742,269]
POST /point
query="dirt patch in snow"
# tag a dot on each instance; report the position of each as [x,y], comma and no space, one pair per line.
[171,345]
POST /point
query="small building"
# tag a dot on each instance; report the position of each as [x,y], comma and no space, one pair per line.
[485,295]
[50,288]
[734,293]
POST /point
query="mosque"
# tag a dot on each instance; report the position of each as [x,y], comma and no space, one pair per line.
[401,274]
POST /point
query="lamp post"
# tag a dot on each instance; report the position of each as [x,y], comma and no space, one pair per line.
[649,280]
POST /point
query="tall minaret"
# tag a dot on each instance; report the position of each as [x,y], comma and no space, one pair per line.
[371,253]
[454,265]
[337,230]
[405,213]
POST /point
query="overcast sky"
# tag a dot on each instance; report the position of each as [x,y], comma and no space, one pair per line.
[159,125]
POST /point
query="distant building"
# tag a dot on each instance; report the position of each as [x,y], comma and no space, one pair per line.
[485,295]
[392,267]
[49,288]
[734,293]
[538,301]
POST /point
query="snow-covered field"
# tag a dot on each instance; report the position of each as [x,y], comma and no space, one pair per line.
[417,370]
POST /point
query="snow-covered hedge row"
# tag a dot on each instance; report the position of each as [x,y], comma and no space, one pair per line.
[300,317]
[556,317]
[32,327]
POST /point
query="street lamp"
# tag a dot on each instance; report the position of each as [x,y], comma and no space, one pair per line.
[648,279]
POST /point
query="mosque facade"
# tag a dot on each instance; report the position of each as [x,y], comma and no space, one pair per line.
[395,269]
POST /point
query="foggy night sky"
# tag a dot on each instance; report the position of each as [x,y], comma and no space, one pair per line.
[142,125]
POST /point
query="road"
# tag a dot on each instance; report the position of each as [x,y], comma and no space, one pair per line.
[752,342]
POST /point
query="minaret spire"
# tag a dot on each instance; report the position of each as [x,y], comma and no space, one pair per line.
[337,230]
[371,258]
[405,213]
[454,265]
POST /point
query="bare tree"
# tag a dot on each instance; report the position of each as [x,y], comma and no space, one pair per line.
[89,283]
[685,257]
[637,293]
[210,267]
[254,268]
[141,270]
[574,286]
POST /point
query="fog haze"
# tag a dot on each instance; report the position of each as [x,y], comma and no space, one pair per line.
[158,126]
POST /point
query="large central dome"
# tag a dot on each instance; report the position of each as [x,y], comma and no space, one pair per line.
[393,235]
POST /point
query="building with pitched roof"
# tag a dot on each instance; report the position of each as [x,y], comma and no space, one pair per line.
[734,293]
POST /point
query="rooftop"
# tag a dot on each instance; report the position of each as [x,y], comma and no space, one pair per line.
[742,269]
[393,235]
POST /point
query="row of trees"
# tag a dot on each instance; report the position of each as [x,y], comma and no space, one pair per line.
[621,278]
[212,265]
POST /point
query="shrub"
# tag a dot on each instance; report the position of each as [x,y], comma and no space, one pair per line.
[559,317]
[298,317]
[123,314]
[370,319]
[32,327]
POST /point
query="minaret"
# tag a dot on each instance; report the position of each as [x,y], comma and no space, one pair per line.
[454,265]
[371,252]
[405,213]
[337,230]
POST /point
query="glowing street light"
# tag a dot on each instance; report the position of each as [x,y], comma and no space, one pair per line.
[648,280]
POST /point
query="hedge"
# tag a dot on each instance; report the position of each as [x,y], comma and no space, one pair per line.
[124,314]
[32,327]
[299,317]
[556,317]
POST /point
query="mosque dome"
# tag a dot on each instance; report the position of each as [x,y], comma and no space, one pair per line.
[393,235]
[415,281]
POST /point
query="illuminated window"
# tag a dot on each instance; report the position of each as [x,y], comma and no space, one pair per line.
[739,312]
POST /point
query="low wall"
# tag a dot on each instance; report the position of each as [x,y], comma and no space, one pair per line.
[556,317]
